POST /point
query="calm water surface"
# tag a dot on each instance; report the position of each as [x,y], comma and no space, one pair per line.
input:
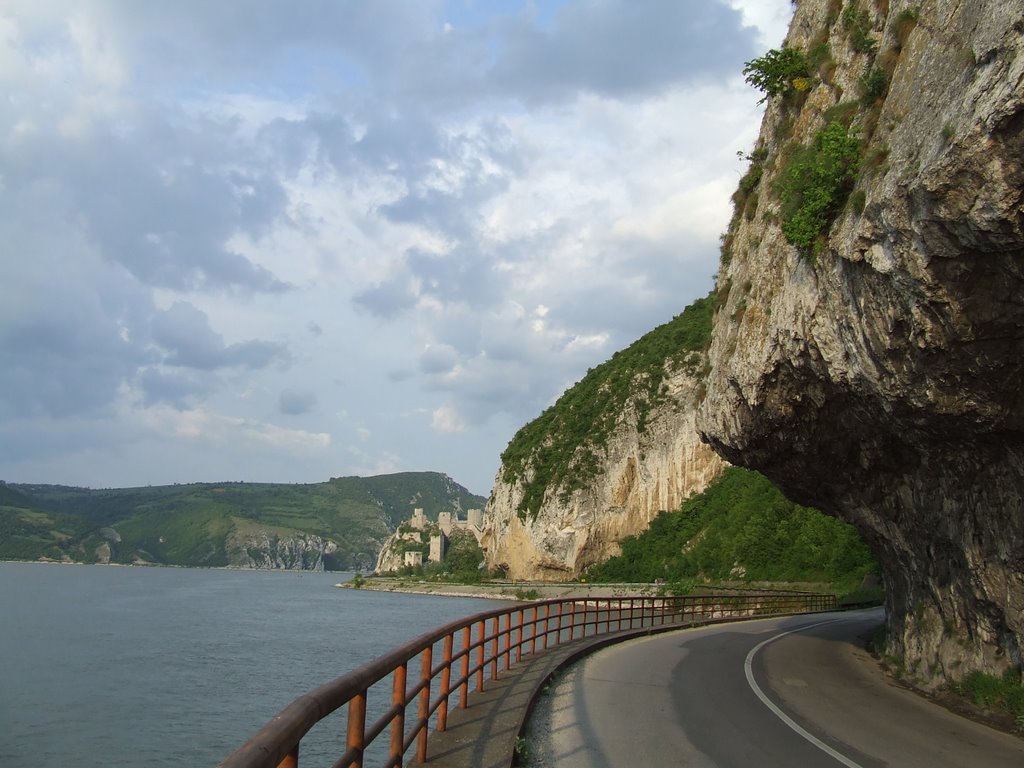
[124,667]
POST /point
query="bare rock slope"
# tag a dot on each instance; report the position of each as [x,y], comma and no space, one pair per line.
[877,374]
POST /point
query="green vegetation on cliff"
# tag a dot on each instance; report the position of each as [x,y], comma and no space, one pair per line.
[218,524]
[742,527]
[561,449]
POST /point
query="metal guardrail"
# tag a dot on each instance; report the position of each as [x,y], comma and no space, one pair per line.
[473,650]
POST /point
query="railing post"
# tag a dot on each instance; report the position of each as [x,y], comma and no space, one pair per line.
[446,681]
[423,715]
[533,633]
[572,621]
[398,724]
[357,727]
[481,627]
[495,627]
[467,634]
[558,626]
[507,636]
[544,639]
[519,635]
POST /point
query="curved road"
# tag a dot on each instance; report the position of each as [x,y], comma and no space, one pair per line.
[796,691]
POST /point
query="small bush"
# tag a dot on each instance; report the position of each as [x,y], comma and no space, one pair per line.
[873,86]
[814,184]
[858,26]
[858,200]
[779,72]
[904,25]
[843,113]
[1004,693]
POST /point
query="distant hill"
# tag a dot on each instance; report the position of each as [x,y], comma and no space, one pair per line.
[336,525]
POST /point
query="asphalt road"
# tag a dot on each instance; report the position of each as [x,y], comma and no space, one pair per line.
[797,691]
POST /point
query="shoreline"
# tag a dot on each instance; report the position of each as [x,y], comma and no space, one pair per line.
[513,591]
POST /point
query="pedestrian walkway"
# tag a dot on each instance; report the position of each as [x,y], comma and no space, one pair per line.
[484,734]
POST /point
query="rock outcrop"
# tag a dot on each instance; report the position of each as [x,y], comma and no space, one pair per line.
[268,550]
[641,473]
[879,378]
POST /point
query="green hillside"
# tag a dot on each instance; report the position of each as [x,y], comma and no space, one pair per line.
[28,532]
[218,524]
[564,445]
[742,527]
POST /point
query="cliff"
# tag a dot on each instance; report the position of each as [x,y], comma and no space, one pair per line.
[290,551]
[615,450]
[869,363]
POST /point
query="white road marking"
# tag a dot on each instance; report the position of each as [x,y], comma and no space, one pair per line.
[748,668]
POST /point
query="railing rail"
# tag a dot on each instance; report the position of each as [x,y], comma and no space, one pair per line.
[499,638]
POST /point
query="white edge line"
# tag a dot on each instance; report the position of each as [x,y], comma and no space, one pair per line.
[748,668]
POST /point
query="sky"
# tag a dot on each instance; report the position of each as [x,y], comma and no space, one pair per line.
[283,242]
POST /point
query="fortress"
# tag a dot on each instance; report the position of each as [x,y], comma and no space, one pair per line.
[416,526]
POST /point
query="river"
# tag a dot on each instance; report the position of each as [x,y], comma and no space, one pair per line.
[132,666]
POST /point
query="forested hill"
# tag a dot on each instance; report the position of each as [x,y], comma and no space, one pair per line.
[336,524]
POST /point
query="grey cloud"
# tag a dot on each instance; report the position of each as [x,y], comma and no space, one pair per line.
[72,329]
[179,389]
[464,275]
[169,227]
[398,376]
[438,358]
[486,162]
[255,354]
[403,141]
[324,41]
[185,333]
[615,48]
[657,274]
[63,365]
[295,403]
[623,47]
[159,195]
[387,299]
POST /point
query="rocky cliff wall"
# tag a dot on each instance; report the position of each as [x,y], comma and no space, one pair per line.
[641,473]
[879,376]
[268,550]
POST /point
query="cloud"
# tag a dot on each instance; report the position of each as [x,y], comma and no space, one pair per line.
[184,332]
[177,388]
[621,48]
[72,327]
[447,420]
[296,403]
[200,425]
[216,215]
[388,299]
[438,359]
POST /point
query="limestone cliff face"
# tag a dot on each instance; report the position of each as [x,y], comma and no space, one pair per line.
[390,558]
[269,550]
[640,474]
[882,381]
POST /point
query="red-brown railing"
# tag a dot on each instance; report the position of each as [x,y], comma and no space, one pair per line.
[472,650]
